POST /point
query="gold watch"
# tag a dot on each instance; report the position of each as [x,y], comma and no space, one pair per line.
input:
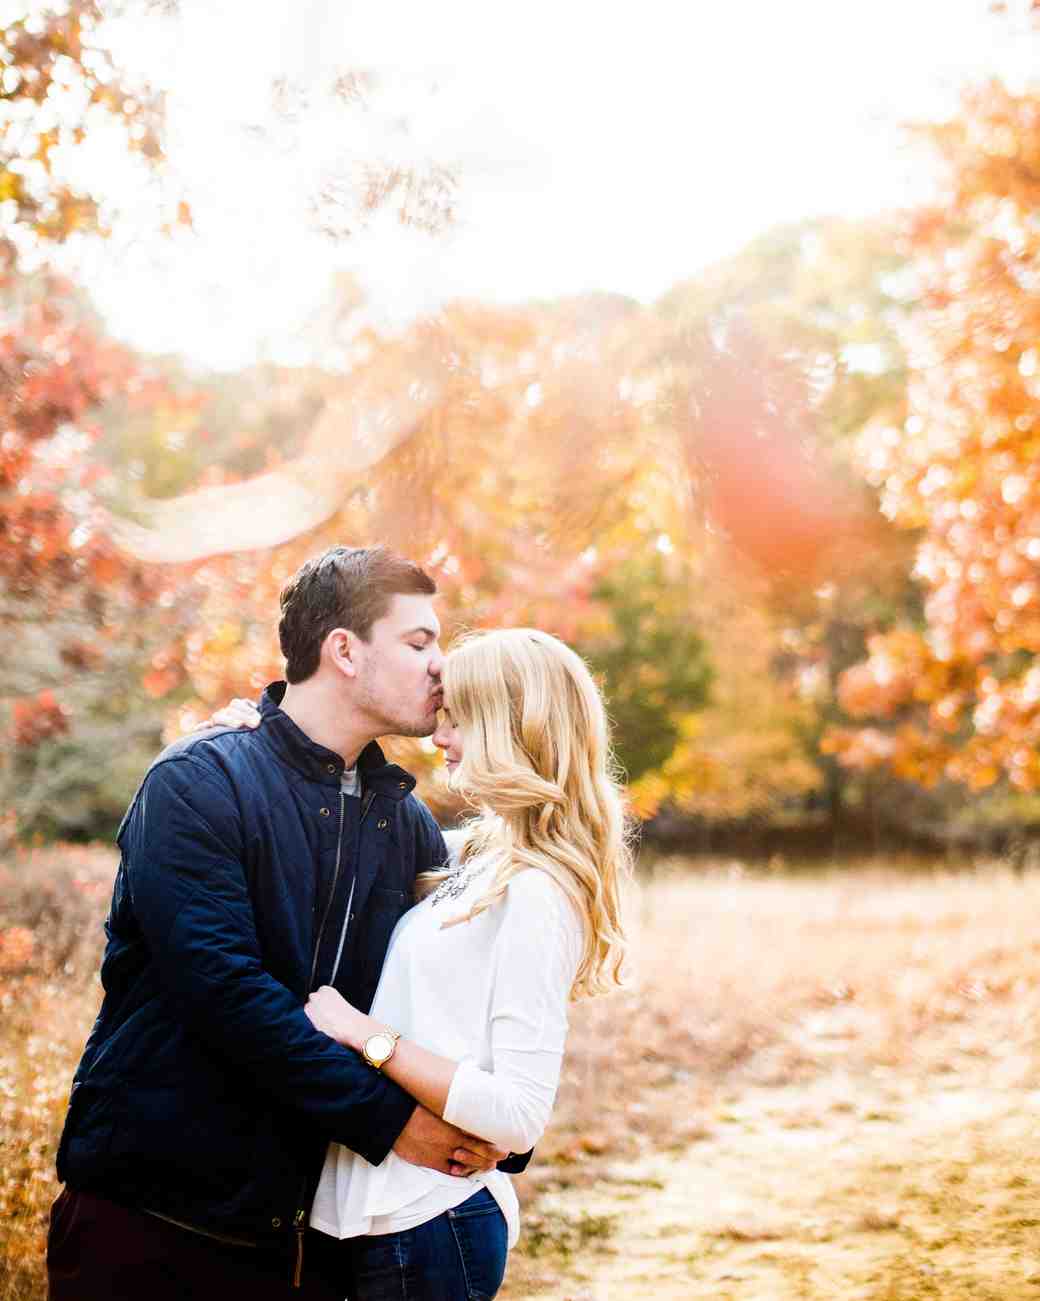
[378,1048]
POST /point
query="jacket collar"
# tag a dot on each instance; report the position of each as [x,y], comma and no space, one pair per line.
[319,764]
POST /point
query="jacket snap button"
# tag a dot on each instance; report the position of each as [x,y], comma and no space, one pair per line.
[324,812]
[276,1223]
[403,786]
[382,824]
[330,767]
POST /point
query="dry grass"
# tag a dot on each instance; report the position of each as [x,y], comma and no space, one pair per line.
[775,979]
[52,904]
[744,982]
[748,981]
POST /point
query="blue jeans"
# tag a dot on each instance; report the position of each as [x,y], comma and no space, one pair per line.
[458,1256]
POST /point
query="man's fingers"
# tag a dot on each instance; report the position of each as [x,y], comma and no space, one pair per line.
[476,1151]
[478,1155]
[422,1142]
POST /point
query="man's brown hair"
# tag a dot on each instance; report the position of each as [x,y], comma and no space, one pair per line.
[344,587]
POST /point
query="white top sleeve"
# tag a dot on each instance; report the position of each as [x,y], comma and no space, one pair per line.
[537,953]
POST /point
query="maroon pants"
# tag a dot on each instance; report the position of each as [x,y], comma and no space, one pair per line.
[99,1251]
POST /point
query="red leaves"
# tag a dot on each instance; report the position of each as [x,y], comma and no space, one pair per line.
[38,718]
[58,564]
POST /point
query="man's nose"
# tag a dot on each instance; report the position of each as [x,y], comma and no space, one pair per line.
[436,663]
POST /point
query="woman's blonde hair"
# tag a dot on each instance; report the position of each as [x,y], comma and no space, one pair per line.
[537,764]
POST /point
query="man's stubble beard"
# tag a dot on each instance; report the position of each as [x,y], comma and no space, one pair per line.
[415,729]
[384,714]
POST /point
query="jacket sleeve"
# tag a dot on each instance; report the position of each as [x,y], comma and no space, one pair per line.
[184,856]
[537,952]
[516,1163]
[431,850]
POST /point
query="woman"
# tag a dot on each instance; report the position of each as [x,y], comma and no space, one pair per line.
[470,1016]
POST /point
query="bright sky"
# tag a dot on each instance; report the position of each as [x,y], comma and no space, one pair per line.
[600,146]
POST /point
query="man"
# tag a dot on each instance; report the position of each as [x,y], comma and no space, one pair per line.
[257,866]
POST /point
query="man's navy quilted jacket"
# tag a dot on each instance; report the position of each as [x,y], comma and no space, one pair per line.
[204,1092]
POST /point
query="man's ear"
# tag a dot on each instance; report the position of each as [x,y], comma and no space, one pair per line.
[340,648]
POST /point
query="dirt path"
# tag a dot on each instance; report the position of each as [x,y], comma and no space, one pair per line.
[876,1191]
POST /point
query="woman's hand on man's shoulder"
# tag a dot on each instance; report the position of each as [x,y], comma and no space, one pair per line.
[237,713]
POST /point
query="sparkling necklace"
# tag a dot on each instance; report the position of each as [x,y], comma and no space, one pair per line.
[456,884]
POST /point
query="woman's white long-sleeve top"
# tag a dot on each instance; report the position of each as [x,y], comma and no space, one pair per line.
[492,994]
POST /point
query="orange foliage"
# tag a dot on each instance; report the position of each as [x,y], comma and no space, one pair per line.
[520,457]
[16,947]
[536,453]
[59,83]
[964,467]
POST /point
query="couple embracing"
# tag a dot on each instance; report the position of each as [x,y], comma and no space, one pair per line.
[325,1042]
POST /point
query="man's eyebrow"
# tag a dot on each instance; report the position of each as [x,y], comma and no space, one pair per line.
[432,633]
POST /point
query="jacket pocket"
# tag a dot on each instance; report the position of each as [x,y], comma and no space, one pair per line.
[189,1136]
[87,1135]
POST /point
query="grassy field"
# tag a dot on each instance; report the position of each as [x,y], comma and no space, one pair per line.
[818,1086]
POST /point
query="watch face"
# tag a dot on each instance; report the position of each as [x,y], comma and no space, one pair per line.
[379,1046]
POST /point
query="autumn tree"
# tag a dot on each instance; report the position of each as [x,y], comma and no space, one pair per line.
[533,465]
[769,364]
[543,462]
[86,423]
[464,467]
[652,662]
[70,600]
[960,699]
[59,84]
[75,611]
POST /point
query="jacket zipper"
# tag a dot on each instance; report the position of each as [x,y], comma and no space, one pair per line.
[366,804]
[299,1229]
[301,1214]
[332,892]
[299,1219]
[203,1233]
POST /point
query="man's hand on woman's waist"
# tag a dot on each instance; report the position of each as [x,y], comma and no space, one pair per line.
[429,1141]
